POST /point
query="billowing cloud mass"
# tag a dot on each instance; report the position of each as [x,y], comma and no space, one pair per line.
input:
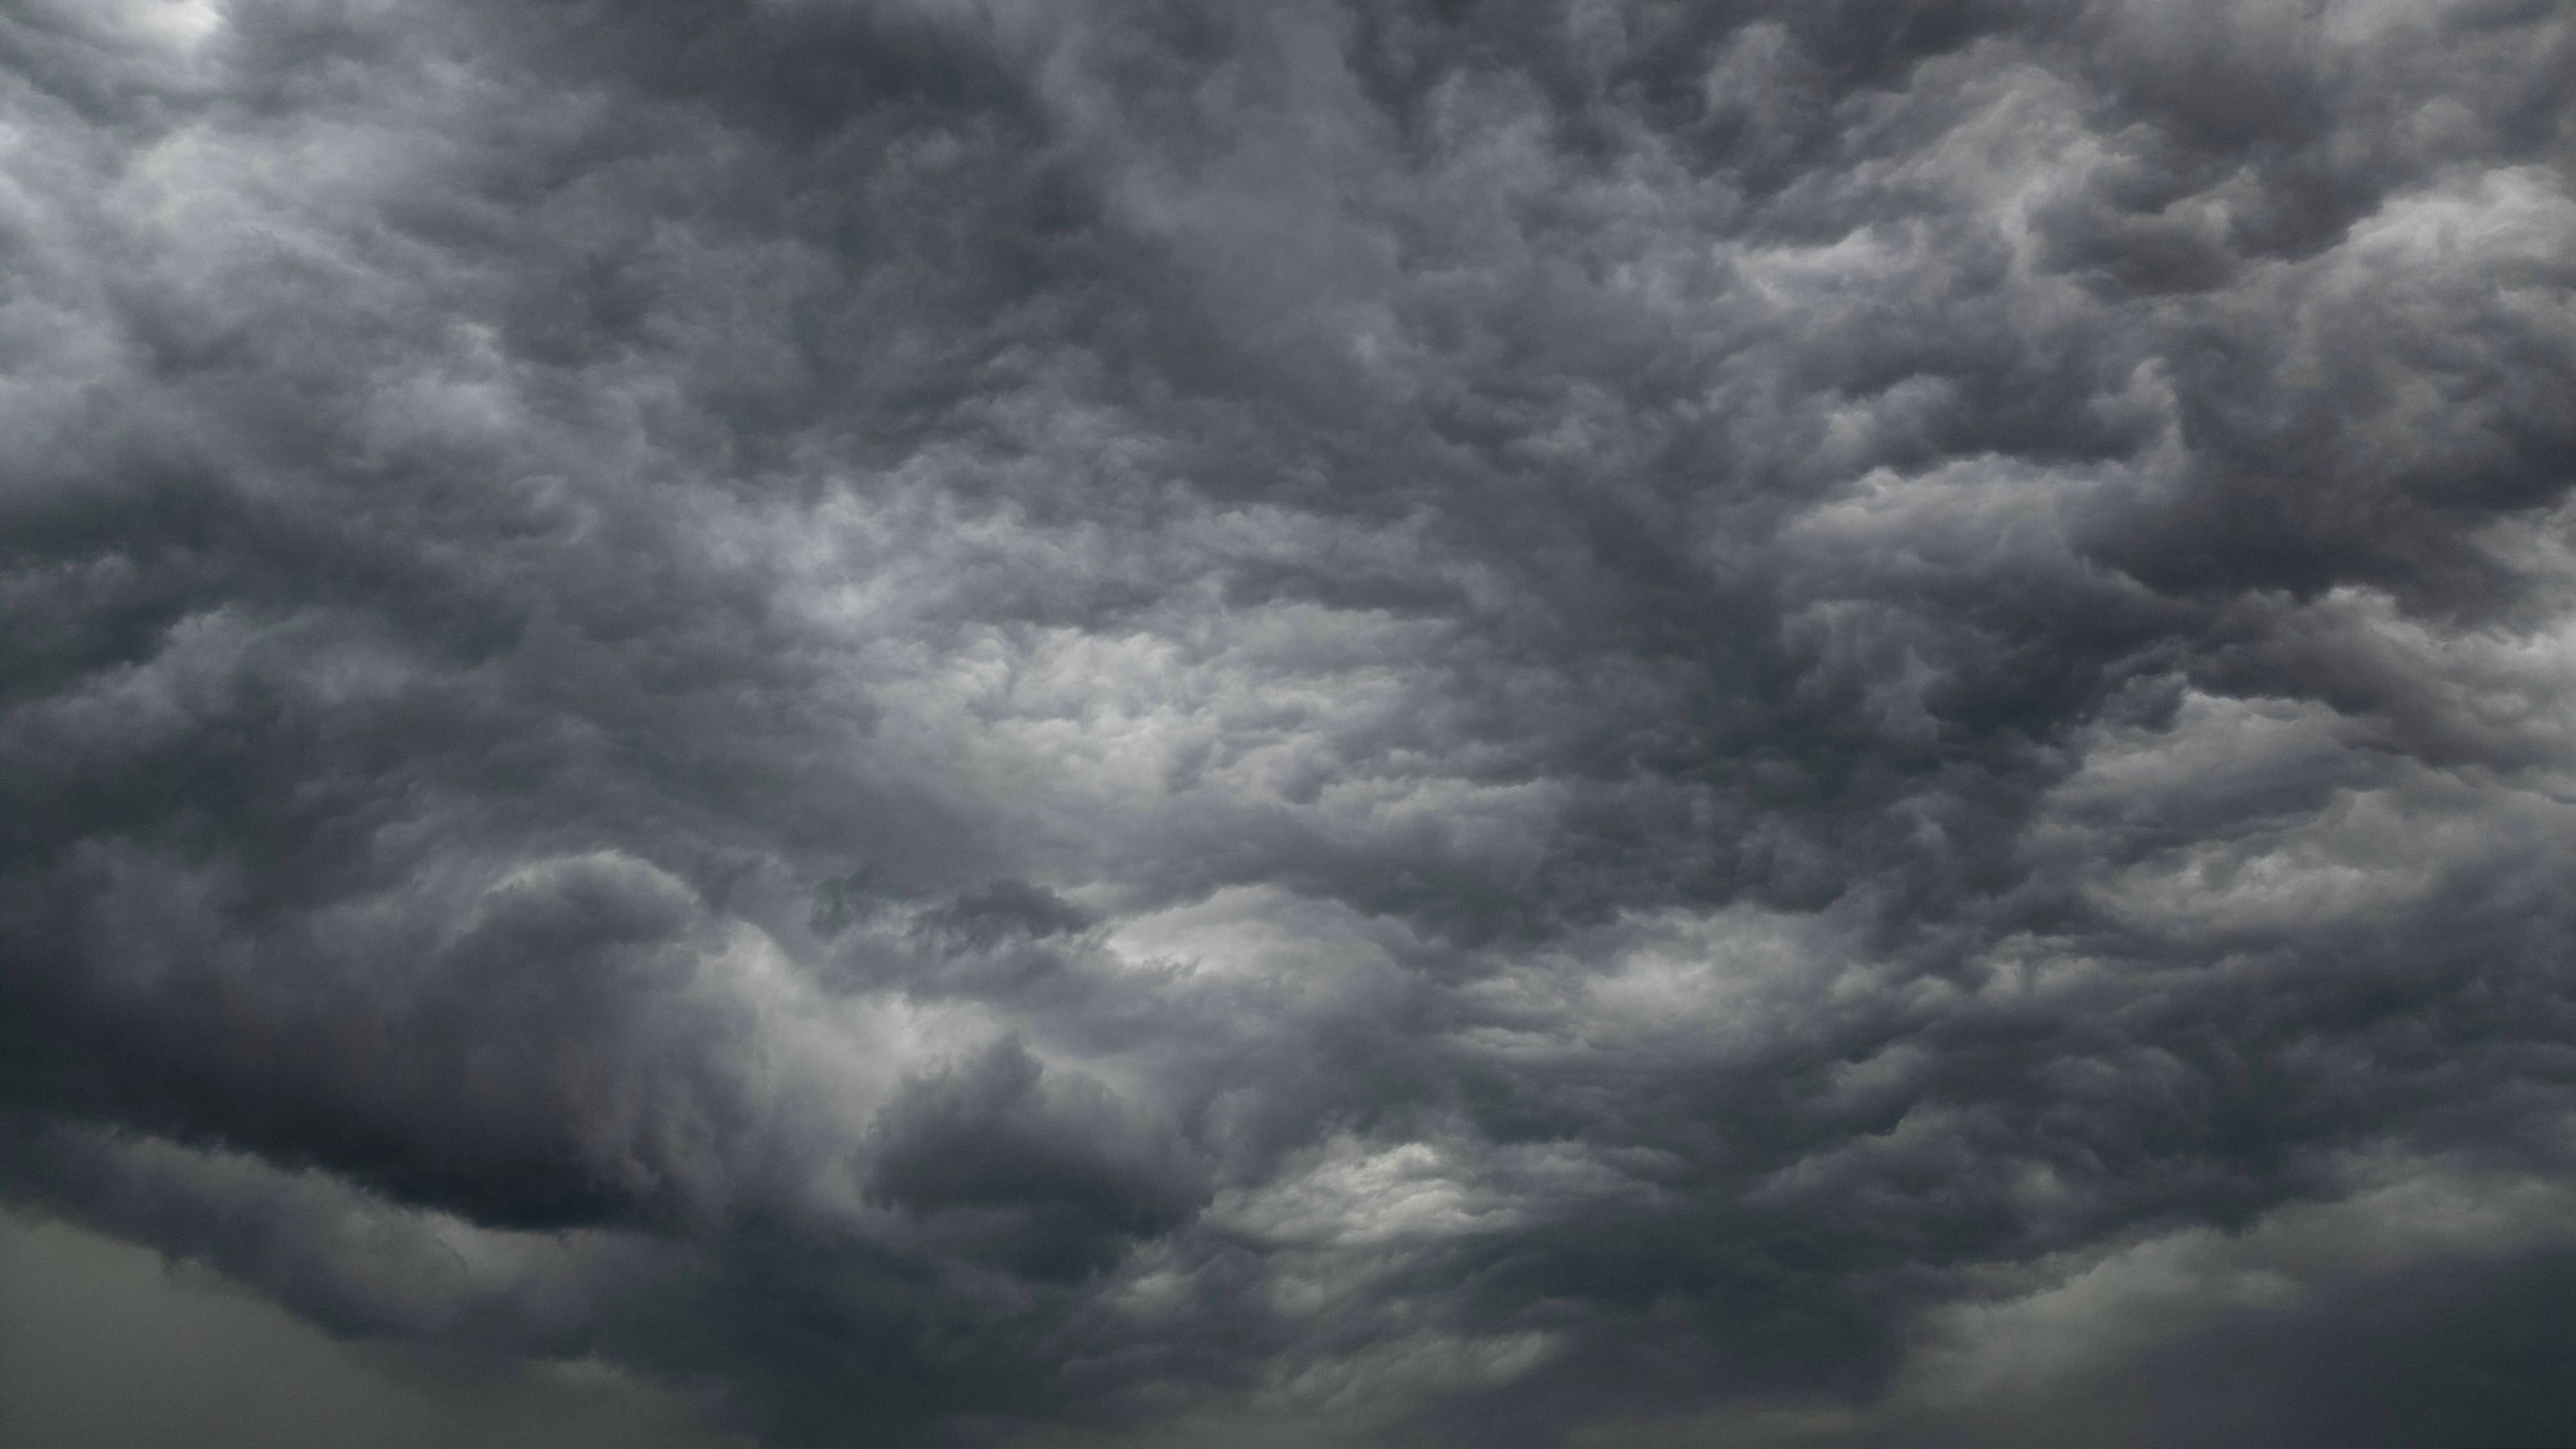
[1159,722]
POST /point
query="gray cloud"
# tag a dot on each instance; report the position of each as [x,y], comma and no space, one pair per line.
[1123,723]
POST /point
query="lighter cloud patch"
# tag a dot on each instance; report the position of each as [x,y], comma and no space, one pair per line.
[166,25]
[1263,934]
[1707,974]
[1673,984]
[811,1069]
[2507,212]
[2497,695]
[179,23]
[1350,1194]
[2364,858]
[1966,514]
[2294,817]
[822,1068]
[2213,757]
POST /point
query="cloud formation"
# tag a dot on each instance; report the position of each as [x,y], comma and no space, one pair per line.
[1156,722]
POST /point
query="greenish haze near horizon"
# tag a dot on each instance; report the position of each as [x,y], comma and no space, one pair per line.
[103,1345]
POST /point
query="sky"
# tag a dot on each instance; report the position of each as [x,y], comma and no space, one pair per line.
[1120,724]
[102,1344]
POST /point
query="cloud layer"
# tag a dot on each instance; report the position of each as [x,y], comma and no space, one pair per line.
[1155,722]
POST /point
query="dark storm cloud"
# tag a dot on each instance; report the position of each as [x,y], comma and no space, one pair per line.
[1129,723]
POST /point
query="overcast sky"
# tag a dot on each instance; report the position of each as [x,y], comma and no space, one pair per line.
[1830,724]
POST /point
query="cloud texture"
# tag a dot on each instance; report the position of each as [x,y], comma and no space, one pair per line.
[1148,722]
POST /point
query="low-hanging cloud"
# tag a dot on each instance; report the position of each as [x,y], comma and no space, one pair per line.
[1153,722]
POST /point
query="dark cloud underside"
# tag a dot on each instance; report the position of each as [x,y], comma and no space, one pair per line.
[1152,723]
